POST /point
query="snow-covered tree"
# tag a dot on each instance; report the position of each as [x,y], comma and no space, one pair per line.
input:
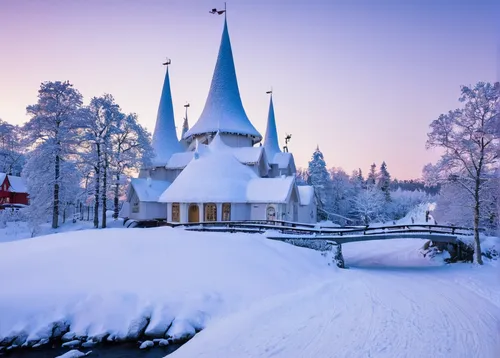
[470,140]
[12,156]
[319,178]
[371,180]
[369,205]
[51,132]
[341,194]
[130,148]
[384,181]
[301,176]
[102,119]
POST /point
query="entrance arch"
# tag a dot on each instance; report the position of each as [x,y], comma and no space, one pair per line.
[193,213]
[270,213]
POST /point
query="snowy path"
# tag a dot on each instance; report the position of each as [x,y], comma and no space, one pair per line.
[365,312]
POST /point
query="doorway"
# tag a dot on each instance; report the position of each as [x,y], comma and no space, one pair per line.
[194,213]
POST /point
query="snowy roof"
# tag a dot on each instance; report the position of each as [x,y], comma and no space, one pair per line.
[283,159]
[248,155]
[148,189]
[270,190]
[214,175]
[223,111]
[2,177]
[271,139]
[17,184]
[165,142]
[179,160]
[306,194]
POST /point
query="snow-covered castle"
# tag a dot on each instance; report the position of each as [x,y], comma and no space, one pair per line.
[218,171]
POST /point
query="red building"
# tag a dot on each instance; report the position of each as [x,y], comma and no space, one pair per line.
[12,191]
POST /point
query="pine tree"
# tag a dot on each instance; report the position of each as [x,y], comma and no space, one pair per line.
[319,178]
[384,181]
[372,176]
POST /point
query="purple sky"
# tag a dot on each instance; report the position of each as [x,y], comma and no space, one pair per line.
[363,79]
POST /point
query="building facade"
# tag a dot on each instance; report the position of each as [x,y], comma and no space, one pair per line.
[219,170]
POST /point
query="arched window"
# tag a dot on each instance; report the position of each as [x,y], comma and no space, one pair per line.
[271,213]
[226,212]
[210,212]
[176,212]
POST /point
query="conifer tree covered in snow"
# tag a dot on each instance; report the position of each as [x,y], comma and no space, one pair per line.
[52,134]
[371,180]
[319,178]
[470,139]
[342,192]
[384,181]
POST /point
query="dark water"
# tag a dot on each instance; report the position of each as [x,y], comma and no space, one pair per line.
[126,350]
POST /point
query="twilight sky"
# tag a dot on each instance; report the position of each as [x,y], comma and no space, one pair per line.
[362,79]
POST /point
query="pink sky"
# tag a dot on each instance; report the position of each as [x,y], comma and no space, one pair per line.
[362,79]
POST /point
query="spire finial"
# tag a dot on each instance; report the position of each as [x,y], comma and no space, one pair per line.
[167,62]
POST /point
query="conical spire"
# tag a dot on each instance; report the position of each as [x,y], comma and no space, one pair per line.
[223,111]
[271,144]
[165,142]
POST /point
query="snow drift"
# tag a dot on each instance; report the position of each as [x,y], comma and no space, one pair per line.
[120,284]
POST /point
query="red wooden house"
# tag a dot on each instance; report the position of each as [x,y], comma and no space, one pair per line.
[12,191]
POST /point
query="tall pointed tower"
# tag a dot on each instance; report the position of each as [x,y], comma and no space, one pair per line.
[165,142]
[223,111]
[271,144]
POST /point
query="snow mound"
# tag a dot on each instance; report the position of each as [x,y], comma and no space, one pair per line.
[120,284]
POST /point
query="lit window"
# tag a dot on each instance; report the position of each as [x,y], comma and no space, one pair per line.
[226,212]
[175,212]
[210,212]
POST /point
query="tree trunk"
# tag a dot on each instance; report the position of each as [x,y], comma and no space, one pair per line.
[103,194]
[55,209]
[96,198]
[477,249]
[115,199]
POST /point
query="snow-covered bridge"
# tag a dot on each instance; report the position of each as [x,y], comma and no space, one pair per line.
[283,230]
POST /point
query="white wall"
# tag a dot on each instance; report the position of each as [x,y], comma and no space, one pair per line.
[258,211]
[305,214]
[148,211]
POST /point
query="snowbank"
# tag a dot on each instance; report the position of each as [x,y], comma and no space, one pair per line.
[391,303]
[117,284]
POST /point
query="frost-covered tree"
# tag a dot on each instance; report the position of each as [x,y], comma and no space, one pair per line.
[341,194]
[52,135]
[102,120]
[369,205]
[301,176]
[470,140]
[130,148]
[12,156]
[371,180]
[384,181]
[319,178]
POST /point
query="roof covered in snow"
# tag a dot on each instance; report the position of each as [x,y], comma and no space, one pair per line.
[214,175]
[17,184]
[271,139]
[165,142]
[283,159]
[306,194]
[223,111]
[270,190]
[2,177]
[248,155]
[179,160]
[148,189]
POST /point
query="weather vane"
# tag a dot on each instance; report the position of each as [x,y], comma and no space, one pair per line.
[168,62]
[287,139]
[218,12]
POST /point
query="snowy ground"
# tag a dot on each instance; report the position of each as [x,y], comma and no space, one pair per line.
[391,303]
[252,297]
